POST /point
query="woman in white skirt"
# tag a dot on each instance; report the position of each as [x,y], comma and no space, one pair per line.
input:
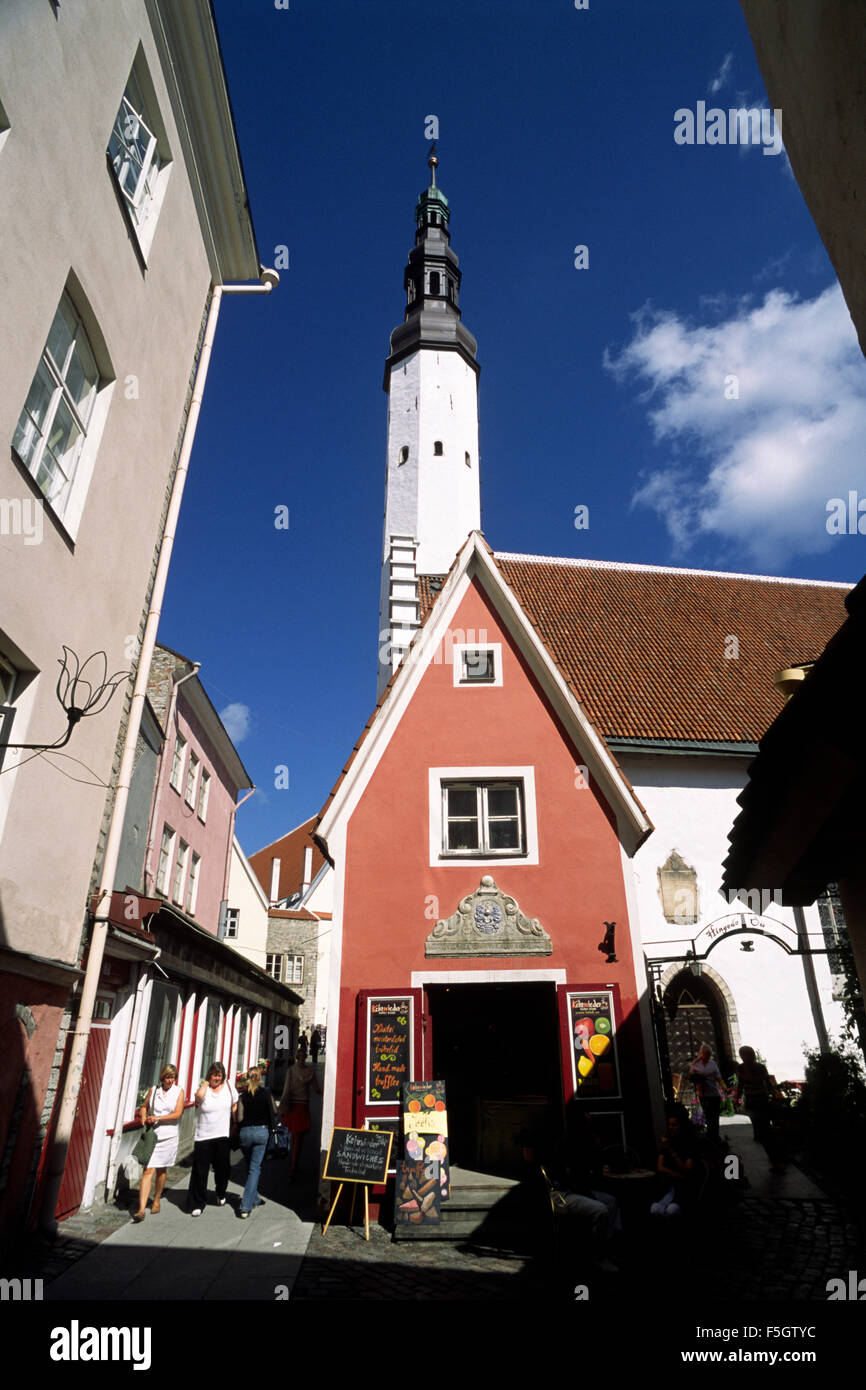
[163,1107]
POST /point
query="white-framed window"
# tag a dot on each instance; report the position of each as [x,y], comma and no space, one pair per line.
[295,970]
[484,813]
[180,871]
[177,763]
[192,883]
[191,779]
[477,663]
[139,153]
[203,792]
[233,921]
[274,966]
[52,427]
[166,854]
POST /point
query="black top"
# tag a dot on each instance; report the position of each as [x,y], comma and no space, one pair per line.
[255,1108]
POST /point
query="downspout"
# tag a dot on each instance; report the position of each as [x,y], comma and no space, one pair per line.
[81,1033]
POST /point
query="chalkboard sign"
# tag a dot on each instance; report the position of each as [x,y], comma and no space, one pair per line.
[390,1124]
[358,1155]
[593,1045]
[389,1047]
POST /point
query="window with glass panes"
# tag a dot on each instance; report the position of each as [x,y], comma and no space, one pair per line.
[295,965]
[159,1036]
[242,1040]
[274,966]
[203,790]
[211,1035]
[191,778]
[481,818]
[177,762]
[180,870]
[133,151]
[52,427]
[165,857]
[192,885]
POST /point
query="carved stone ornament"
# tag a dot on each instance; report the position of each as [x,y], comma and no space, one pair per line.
[488,923]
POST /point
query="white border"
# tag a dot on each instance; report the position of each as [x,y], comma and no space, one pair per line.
[457,651]
[438,775]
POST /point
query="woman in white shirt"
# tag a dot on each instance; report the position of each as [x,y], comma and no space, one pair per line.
[711,1089]
[217,1100]
[163,1107]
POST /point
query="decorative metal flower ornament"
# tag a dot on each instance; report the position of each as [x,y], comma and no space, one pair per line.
[82,690]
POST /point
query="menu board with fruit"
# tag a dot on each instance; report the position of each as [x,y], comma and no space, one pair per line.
[593,1045]
[389,1048]
[425,1128]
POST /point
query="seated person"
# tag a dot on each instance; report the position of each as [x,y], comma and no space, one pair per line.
[574,1170]
[678,1163]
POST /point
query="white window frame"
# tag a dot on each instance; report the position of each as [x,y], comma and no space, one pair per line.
[165,862]
[192,883]
[458,652]
[233,919]
[178,762]
[274,966]
[295,969]
[151,157]
[438,776]
[66,500]
[178,878]
[191,780]
[203,793]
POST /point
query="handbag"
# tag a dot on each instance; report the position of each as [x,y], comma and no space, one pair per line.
[145,1146]
[278,1143]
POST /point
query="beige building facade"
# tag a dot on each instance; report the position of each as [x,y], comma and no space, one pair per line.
[122,206]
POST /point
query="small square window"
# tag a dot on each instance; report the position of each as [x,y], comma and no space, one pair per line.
[477,663]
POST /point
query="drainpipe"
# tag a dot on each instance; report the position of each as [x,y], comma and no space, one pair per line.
[90,983]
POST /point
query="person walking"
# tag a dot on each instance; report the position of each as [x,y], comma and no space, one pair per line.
[216,1099]
[295,1103]
[256,1114]
[315,1045]
[303,1044]
[162,1108]
[757,1088]
[710,1088]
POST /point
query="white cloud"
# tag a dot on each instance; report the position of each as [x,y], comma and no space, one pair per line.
[236,719]
[752,475]
[721,77]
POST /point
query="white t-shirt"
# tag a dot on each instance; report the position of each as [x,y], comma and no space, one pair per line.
[215,1112]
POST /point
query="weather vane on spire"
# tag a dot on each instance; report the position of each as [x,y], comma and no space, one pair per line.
[433,163]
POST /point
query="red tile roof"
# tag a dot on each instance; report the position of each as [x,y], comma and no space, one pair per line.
[643,647]
[289,849]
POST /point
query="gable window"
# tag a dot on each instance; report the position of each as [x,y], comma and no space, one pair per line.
[166,850]
[437,448]
[53,425]
[177,762]
[138,152]
[483,818]
[233,917]
[203,790]
[477,664]
[191,778]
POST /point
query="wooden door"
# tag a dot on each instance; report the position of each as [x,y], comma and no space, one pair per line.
[78,1155]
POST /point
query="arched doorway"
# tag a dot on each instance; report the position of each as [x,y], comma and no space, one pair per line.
[698,1009]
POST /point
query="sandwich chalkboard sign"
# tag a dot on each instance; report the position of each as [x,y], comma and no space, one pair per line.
[358,1155]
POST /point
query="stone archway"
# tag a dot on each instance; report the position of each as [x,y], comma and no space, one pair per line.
[699,1009]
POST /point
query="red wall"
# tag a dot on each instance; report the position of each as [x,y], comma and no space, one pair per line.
[576,886]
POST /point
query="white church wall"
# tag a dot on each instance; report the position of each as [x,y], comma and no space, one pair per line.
[692,804]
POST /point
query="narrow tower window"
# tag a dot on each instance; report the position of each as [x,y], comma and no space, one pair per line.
[437,448]
[434,282]
[468,460]
[404,454]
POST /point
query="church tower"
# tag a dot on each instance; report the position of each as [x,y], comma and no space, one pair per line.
[432,489]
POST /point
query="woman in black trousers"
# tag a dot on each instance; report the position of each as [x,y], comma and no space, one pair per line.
[216,1100]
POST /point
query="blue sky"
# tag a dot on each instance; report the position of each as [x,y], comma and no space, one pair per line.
[604,387]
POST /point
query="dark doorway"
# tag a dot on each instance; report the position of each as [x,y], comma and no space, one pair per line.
[693,1016]
[497,1049]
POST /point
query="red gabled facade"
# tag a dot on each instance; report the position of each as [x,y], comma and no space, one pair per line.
[499,1027]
